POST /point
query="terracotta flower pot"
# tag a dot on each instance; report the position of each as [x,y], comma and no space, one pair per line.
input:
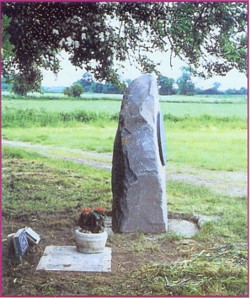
[90,243]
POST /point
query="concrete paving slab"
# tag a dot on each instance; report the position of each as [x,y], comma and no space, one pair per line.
[182,227]
[67,258]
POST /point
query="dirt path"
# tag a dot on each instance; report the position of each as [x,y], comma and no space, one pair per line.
[222,182]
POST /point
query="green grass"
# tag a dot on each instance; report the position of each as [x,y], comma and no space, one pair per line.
[60,96]
[86,137]
[209,147]
[96,106]
[62,179]
[197,109]
[210,136]
[213,263]
[220,271]
[186,198]
[206,98]
[113,106]
[13,117]
[65,185]
[45,193]
[41,118]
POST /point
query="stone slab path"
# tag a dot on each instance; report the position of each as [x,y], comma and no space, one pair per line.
[221,182]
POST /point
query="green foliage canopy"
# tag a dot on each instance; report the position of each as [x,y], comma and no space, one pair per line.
[90,85]
[210,36]
[6,45]
[166,85]
[185,84]
[76,90]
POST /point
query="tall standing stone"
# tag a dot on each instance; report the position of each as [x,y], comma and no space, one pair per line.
[138,171]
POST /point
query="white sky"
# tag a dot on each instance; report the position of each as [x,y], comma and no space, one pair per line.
[70,74]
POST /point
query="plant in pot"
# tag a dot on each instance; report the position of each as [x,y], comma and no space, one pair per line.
[91,236]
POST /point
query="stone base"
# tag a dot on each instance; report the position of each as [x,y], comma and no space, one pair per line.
[182,228]
[67,258]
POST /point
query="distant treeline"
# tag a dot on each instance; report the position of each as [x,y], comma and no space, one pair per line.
[90,85]
[167,86]
[242,90]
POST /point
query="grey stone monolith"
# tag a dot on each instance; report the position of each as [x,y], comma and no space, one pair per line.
[138,167]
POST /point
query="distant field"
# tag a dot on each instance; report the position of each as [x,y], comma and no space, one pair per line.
[58,95]
[113,107]
[51,106]
[211,136]
[197,109]
[206,98]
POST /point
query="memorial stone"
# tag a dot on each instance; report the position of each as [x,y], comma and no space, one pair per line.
[138,167]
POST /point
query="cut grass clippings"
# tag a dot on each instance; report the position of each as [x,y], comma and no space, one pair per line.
[65,185]
[218,271]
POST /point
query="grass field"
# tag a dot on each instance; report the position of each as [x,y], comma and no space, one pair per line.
[183,107]
[205,98]
[45,194]
[211,136]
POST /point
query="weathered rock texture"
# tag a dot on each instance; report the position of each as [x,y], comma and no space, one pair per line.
[138,171]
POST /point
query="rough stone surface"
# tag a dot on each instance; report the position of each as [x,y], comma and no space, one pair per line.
[67,258]
[138,171]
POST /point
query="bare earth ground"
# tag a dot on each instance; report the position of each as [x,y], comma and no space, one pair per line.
[222,182]
[128,254]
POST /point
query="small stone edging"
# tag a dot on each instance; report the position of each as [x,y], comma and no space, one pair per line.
[199,220]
